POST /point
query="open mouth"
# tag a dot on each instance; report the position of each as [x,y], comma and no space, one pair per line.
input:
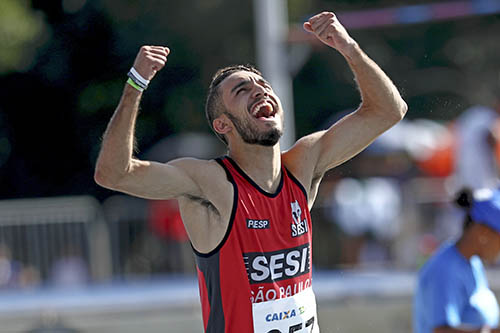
[263,109]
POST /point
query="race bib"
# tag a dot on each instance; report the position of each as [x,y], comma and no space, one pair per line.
[296,313]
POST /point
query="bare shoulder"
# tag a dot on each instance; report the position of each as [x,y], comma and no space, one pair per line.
[302,157]
[207,174]
[301,160]
[198,168]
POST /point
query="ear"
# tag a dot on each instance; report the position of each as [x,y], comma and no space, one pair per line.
[222,125]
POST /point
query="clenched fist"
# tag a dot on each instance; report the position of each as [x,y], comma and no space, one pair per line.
[150,60]
[330,31]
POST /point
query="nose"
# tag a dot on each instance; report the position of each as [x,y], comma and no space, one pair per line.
[259,91]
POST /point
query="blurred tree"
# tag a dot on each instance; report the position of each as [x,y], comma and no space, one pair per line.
[202,35]
[21,31]
[54,108]
[441,68]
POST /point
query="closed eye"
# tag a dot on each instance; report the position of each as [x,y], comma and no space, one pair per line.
[240,86]
[240,90]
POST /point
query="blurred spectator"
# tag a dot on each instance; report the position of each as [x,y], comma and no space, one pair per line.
[70,269]
[10,270]
[166,223]
[13,274]
[165,220]
[452,293]
[29,277]
[362,208]
[427,245]
[476,165]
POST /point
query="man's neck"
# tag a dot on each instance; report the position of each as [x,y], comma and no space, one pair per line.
[262,164]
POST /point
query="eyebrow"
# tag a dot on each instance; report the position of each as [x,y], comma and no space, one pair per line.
[262,80]
[242,83]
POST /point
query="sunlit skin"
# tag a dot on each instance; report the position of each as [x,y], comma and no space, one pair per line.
[253,113]
[251,121]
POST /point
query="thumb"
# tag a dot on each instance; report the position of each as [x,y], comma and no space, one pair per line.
[307,27]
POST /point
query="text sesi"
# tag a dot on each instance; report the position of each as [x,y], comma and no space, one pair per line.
[278,265]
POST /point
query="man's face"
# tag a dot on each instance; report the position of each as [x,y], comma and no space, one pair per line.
[490,241]
[253,108]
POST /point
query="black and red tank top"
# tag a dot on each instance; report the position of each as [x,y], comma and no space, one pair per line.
[258,279]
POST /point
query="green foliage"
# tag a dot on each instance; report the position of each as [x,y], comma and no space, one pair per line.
[21,32]
[322,88]
[184,108]
[99,96]
[211,34]
[297,9]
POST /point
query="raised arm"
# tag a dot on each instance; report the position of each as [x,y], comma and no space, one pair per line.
[116,167]
[381,105]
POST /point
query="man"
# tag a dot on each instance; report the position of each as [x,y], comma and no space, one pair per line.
[453,294]
[247,214]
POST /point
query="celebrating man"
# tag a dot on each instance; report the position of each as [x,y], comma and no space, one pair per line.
[247,214]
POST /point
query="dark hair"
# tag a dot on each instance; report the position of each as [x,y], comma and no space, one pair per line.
[214,106]
[464,200]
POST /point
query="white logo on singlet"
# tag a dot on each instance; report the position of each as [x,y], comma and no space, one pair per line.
[267,267]
[299,225]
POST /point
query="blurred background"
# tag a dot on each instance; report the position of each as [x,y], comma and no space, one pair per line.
[75,257]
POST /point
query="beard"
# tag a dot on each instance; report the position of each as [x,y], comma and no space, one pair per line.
[268,138]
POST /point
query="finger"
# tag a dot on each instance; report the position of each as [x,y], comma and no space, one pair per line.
[319,29]
[318,23]
[154,49]
[327,19]
[161,48]
[156,52]
[325,34]
[157,48]
[318,19]
[307,27]
[154,62]
[319,16]
[157,59]
[160,51]
[324,28]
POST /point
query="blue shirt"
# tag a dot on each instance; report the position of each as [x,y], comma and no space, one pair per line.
[453,291]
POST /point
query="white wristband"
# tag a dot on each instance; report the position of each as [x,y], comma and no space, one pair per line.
[139,77]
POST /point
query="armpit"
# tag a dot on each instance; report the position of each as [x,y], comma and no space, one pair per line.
[204,203]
